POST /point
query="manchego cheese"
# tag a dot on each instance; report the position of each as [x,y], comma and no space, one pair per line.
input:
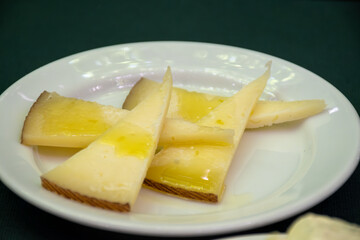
[110,171]
[199,171]
[311,226]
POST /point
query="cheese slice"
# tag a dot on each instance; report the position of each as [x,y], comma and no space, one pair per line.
[198,172]
[313,227]
[59,121]
[319,227]
[268,113]
[54,120]
[110,171]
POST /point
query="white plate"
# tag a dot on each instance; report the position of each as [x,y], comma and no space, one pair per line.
[277,171]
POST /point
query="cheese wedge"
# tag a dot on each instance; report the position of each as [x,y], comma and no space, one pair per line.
[110,171]
[198,172]
[58,121]
[319,227]
[192,106]
[268,113]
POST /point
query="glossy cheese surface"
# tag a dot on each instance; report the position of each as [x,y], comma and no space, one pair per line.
[82,118]
[204,168]
[192,106]
[320,227]
[60,121]
[100,173]
[197,168]
[113,167]
[129,140]
[181,132]
[54,120]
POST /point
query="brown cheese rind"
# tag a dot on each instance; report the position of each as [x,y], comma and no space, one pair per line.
[180,192]
[84,199]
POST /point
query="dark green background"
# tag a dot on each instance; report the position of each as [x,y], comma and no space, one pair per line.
[322,36]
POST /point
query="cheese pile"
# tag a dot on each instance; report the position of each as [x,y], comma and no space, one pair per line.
[168,139]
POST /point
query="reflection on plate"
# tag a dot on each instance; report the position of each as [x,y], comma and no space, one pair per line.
[277,172]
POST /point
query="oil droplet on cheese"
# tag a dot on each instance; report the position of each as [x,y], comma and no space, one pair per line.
[220,122]
[190,168]
[129,140]
[199,180]
[193,106]
[82,118]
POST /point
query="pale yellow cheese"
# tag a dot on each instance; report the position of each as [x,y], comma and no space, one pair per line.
[113,167]
[68,122]
[59,121]
[181,132]
[54,120]
[203,168]
[99,172]
[192,106]
[267,113]
[200,168]
[318,227]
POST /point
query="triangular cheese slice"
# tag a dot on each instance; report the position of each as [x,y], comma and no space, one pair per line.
[54,120]
[199,171]
[110,171]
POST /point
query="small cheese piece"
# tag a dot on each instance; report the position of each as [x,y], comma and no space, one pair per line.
[317,227]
